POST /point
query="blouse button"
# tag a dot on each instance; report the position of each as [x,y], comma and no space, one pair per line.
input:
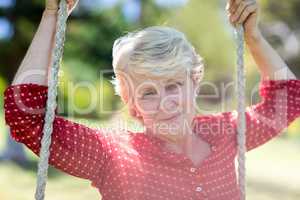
[192,169]
[198,189]
[213,148]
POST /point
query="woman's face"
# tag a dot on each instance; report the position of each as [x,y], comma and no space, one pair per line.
[165,106]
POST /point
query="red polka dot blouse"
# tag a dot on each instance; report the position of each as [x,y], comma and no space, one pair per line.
[135,166]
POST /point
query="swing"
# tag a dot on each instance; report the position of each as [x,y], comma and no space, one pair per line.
[52,94]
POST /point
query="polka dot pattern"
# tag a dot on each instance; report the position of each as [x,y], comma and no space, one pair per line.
[136,166]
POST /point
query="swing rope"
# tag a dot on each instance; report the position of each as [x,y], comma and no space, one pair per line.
[51,101]
[42,174]
[241,120]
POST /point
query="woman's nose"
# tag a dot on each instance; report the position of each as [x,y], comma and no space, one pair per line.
[168,103]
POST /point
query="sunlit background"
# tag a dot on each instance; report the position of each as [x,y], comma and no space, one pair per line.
[272,170]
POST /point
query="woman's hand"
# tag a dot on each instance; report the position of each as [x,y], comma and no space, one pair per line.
[245,12]
[52,5]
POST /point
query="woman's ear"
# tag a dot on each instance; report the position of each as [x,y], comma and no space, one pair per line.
[132,111]
[135,114]
[195,85]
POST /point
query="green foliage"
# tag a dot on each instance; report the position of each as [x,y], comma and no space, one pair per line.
[293,131]
[3,86]
[287,11]
[204,26]
[91,41]
[83,93]
[107,100]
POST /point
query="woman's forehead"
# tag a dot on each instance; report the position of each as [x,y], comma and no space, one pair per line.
[156,80]
[148,82]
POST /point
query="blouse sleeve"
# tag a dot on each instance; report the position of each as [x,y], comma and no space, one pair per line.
[75,149]
[279,107]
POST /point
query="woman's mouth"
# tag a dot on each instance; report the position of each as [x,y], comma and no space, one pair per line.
[171,118]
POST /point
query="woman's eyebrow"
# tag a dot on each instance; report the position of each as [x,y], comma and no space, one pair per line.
[147,87]
[169,80]
[173,80]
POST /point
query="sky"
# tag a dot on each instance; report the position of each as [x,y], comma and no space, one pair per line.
[6,29]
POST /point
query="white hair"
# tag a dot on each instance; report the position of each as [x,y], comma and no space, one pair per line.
[155,51]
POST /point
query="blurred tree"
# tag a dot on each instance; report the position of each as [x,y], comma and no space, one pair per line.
[281,26]
[287,11]
[90,35]
[14,151]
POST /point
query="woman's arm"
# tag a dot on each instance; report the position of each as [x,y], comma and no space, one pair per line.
[35,65]
[279,107]
[279,89]
[75,149]
[270,64]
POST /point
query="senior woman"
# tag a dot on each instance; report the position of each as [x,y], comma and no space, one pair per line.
[180,155]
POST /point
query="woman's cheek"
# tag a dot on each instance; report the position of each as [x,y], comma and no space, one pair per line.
[149,123]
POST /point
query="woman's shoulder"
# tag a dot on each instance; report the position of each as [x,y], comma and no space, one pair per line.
[214,126]
[225,116]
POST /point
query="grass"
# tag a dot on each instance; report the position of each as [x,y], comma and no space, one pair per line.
[19,184]
[273,170]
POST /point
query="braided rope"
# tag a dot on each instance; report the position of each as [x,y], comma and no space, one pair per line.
[57,52]
[240,90]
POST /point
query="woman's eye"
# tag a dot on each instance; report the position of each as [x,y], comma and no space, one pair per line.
[174,86]
[149,93]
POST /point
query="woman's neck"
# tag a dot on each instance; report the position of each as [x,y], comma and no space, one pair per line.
[178,143]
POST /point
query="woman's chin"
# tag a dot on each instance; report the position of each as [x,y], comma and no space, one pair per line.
[171,126]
